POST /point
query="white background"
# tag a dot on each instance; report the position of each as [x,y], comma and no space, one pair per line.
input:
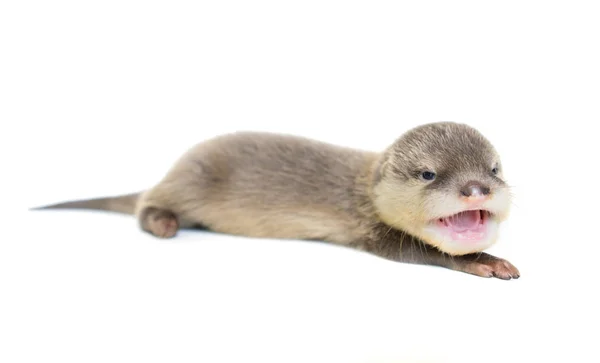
[99,98]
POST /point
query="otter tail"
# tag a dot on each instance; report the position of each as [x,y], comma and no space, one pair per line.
[121,204]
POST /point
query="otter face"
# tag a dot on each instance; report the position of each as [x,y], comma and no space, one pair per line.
[443,183]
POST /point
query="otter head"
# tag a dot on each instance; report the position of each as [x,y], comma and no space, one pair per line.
[443,184]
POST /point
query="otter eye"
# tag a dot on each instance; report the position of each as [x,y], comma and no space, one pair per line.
[428,175]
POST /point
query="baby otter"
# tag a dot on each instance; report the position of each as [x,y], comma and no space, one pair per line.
[435,196]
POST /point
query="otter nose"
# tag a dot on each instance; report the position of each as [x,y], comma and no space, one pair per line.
[474,189]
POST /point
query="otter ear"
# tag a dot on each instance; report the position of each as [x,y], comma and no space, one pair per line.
[380,170]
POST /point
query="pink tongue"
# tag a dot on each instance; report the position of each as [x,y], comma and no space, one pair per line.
[465,220]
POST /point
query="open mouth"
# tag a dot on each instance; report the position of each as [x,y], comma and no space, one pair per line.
[470,225]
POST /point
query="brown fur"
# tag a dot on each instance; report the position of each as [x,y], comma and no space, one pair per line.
[282,186]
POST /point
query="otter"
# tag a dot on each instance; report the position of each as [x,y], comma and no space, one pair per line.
[435,196]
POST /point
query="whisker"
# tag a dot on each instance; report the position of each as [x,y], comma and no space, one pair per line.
[386,233]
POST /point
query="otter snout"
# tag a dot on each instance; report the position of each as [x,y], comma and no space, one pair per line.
[474,189]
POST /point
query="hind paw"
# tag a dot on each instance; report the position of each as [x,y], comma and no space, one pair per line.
[160,222]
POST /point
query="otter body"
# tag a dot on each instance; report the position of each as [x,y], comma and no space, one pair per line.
[433,197]
[266,185]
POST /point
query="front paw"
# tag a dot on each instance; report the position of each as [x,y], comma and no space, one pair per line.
[485,265]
